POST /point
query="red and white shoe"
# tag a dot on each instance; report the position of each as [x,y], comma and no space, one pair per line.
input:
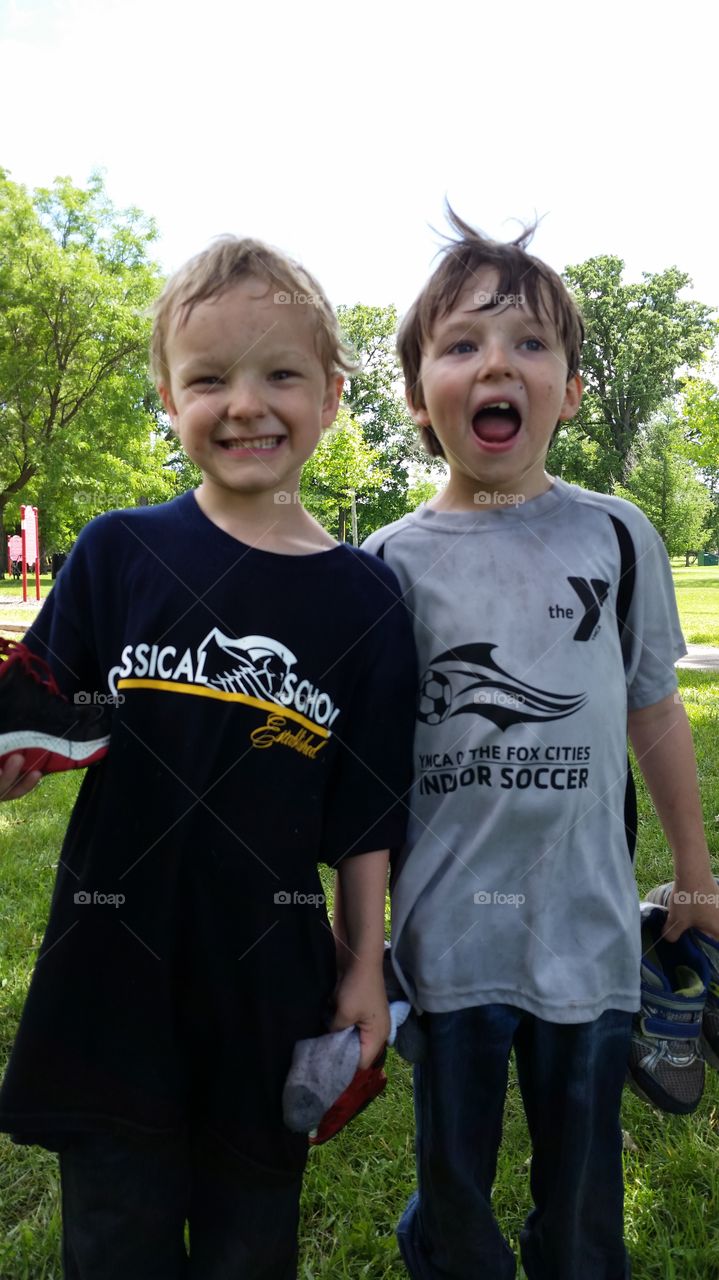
[38,722]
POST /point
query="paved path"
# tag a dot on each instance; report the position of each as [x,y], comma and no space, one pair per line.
[701,657]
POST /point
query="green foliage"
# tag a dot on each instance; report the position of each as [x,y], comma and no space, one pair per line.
[343,467]
[665,485]
[577,459]
[75,427]
[700,410]
[637,337]
[375,398]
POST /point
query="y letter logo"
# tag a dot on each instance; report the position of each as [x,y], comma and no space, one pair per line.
[592,594]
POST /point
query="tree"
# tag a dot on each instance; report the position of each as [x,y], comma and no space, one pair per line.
[664,483]
[375,398]
[700,409]
[344,469]
[76,283]
[639,336]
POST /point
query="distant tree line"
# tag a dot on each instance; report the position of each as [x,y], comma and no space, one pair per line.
[82,430]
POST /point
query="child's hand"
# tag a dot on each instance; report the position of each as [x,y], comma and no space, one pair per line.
[14,782]
[694,906]
[361,1002]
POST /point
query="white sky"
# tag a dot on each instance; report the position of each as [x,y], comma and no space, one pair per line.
[336,131]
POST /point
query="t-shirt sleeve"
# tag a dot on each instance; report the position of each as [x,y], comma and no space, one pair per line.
[63,632]
[372,777]
[655,640]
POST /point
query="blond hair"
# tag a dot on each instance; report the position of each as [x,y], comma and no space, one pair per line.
[226,262]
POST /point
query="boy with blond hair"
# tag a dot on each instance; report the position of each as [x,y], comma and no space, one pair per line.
[543,615]
[264,684]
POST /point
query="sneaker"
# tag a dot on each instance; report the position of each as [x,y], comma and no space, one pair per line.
[710,949]
[666,1067]
[37,722]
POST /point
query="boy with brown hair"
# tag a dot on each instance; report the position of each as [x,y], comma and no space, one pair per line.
[544,615]
[265,686]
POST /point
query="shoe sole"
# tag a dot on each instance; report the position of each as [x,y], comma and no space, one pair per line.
[666,1104]
[49,753]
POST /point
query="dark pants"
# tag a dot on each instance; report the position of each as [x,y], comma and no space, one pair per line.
[125,1201]
[571,1080]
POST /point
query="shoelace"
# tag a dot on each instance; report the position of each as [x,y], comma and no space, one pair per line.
[15,651]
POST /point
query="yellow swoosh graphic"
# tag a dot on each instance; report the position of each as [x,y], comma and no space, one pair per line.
[204,691]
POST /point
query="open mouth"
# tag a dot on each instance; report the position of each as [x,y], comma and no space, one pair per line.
[496,423]
[258,444]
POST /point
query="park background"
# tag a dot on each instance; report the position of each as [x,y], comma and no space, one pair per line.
[134,133]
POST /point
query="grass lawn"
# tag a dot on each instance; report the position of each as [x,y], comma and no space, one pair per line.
[357,1184]
[698,599]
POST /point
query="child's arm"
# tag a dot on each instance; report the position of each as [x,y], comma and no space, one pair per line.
[14,782]
[662,740]
[360,996]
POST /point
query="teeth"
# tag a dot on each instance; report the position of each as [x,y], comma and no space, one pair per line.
[262,442]
[498,404]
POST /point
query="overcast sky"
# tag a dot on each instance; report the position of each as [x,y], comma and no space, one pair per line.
[337,131]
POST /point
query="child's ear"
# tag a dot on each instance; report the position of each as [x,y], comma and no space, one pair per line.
[418,412]
[572,398]
[331,404]
[166,398]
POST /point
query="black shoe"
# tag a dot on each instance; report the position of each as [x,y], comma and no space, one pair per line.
[666,1066]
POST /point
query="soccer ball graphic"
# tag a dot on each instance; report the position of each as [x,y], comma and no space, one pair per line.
[435,697]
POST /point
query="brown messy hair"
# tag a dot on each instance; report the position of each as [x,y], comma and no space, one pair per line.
[520,274]
[226,262]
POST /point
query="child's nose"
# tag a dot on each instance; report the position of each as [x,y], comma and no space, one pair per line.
[245,399]
[496,358]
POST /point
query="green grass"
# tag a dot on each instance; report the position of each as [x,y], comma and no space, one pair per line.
[356,1185]
[698,599]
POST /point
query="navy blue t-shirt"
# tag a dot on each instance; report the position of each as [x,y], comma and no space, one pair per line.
[264,719]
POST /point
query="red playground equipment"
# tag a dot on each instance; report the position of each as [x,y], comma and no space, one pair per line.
[23,551]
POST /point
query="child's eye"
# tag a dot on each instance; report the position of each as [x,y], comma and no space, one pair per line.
[208,380]
[461,348]
[534,344]
[281,375]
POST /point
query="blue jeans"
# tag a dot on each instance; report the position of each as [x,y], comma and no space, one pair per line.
[125,1200]
[571,1078]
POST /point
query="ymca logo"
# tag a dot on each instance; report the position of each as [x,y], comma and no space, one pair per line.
[592,592]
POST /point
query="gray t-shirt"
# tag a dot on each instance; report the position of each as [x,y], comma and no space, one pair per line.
[516,884]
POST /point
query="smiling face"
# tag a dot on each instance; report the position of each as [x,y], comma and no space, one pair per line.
[248,395]
[494,385]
